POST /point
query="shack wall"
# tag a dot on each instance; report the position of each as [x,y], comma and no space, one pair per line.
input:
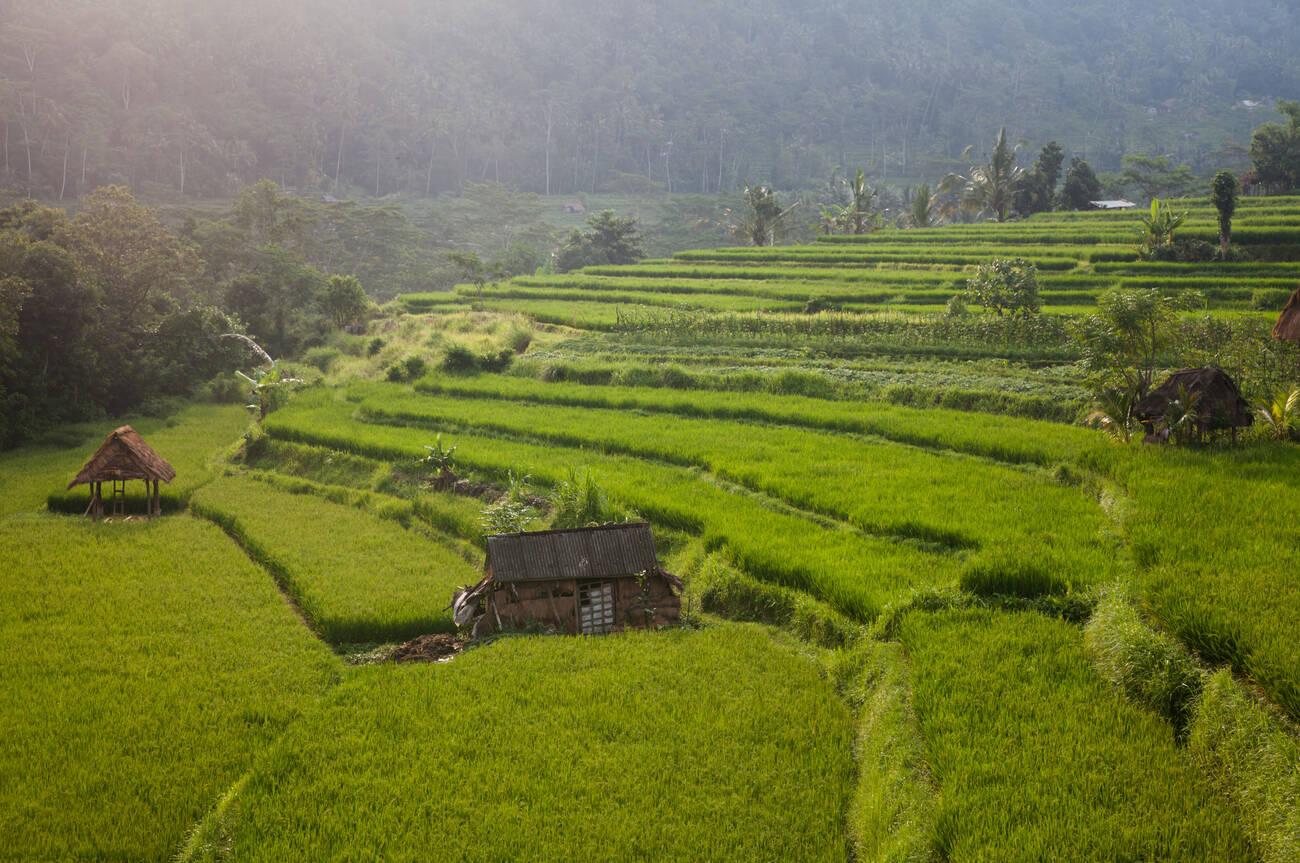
[555,604]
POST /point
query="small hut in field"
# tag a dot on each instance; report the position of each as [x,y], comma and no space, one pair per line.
[124,456]
[1217,400]
[589,581]
[1288,324]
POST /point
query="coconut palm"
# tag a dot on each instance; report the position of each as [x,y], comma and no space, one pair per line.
[926,208]
[989,189]
[1281,417]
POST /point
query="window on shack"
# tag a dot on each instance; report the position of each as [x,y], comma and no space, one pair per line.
[595,607]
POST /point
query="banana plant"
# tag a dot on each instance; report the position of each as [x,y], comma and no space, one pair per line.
[1158,228]
[266,381]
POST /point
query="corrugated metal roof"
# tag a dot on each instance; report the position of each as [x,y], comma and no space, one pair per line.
[615,551]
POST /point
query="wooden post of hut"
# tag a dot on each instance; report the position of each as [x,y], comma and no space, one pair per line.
[124,456]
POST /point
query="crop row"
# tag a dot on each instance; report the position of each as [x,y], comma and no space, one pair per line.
[1006,439]
[882,488]
[142,667]
[384,583]
[856,573]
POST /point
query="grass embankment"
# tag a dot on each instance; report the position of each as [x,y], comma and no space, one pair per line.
[357,577]
[190,440]
[142,666]
[884,489]
[718,745]
[1214,537]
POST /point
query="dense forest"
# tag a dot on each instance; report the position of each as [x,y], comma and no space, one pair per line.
[348,97]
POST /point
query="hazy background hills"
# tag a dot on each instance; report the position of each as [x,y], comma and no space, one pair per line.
[409,96]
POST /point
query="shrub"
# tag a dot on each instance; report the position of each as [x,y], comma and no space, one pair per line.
[459,358]
[375,346]
[796,383]
[1006,287]
[1269,299]
[956,307]
[520,338]
[321,358]
[407,370]
[496,362]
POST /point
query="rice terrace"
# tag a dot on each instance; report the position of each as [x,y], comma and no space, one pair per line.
[384,480]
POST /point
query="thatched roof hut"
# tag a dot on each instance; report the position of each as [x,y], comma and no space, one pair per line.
[123,456]
[1288,323]
[587,581]
[1218,402]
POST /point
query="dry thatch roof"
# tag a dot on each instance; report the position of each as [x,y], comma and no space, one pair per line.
[615,551]
[1288,324]
[124,455]
[1220,404]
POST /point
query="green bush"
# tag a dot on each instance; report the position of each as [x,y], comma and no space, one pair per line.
[321,358]
[407,370]
[458,358]
[375,346]
[1269,300]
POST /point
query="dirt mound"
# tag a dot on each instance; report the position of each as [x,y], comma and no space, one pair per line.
[428,648]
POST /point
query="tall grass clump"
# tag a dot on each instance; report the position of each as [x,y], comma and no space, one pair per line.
[1150,667]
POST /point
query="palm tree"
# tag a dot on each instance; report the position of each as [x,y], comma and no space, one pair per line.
[925,208]
[859,213]
[989,189]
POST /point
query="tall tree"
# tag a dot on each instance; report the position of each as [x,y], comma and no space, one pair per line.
[1081,186]
[1275,150]
[1224,195]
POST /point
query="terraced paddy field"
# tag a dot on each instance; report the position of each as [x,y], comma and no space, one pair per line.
[929,614]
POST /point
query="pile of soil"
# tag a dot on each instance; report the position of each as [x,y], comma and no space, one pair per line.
[428,648]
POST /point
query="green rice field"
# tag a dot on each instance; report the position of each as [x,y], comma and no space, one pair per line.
[929,614]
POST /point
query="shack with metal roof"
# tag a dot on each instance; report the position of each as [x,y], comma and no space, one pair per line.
[589,581]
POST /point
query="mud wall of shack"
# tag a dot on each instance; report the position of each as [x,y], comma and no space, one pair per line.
[555,604]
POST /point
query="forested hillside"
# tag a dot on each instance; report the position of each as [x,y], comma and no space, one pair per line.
[384,96]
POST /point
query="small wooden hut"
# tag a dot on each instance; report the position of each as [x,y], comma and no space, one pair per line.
[124,456]
[589,581]
[1218,403]
[1288,323]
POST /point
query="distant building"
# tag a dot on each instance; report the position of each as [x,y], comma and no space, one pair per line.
[575,207]
[1119,204]
[590,581]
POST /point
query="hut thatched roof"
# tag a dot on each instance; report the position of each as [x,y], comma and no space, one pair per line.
[615,551]
[1220,407]
[1288,324]
[123,456]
